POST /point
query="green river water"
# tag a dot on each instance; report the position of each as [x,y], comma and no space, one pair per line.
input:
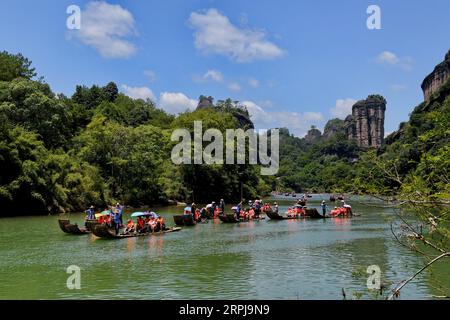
[310,259]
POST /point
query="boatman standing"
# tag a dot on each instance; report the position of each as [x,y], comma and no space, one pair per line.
[90,213]
[117,217]
[275,207]
[222,206]
[257,207]
[119,208]
[324,208]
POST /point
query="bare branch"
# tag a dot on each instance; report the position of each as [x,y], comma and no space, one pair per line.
[404,283]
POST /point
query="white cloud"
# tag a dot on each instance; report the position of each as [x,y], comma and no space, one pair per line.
[390,58]
[298,123]
[398,87]
[387,57]
[214,75]
[176,102]
[253,82]
[234,86]
[343,108]
[312,116]
[214,33]
[138,92]
[104,27]
[151,75]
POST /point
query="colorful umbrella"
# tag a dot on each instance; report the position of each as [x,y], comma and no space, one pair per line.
[103,213]
[140,214]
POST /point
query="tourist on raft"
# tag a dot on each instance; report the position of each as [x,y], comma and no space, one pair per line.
[348,208]
[275,207]
[140,225]
[130,227]
[203,213]
[344,210]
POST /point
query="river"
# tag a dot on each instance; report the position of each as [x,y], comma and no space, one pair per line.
[304,259]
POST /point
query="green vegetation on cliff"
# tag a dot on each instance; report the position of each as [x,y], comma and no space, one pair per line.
[325,164]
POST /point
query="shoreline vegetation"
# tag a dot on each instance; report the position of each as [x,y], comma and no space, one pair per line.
[97,147]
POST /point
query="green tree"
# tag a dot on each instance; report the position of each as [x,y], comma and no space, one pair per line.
[14,66]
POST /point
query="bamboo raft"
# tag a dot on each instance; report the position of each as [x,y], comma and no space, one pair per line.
[104,231]
[73,228]
[184,220]
[230,218]
[310,213]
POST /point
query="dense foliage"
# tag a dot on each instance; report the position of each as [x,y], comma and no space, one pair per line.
[61,153]
[325,164]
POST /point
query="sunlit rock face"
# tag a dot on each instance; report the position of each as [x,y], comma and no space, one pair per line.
[438,77]
[366,123]
[313,134]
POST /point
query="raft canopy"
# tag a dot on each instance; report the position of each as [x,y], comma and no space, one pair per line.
[144,214]
[103,213]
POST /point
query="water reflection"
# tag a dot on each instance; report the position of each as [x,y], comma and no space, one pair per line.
[342,224]
[156,244]
[289,259]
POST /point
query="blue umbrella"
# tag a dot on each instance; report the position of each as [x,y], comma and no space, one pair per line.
[154,214]
[140,214]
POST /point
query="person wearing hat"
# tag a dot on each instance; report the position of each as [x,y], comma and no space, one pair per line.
[275,207]
[90,213]
[222,206]
[119,209]
[348,208]
[324,208]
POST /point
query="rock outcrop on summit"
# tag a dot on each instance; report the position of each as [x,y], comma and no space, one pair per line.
[366,123]
[437,78]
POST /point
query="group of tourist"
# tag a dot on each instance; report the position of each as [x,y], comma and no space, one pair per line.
[112,216]
[145,224]
[213,210]
[253,210]
[299,209]
[344,210]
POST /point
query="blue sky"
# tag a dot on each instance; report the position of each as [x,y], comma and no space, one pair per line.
[294,63]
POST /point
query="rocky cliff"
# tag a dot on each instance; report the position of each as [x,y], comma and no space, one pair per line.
[238,111]
[313,134]
[333,127]
[366,123]
[437,78]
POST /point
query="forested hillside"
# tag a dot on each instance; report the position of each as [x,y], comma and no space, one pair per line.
[98,146]
[61,153]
